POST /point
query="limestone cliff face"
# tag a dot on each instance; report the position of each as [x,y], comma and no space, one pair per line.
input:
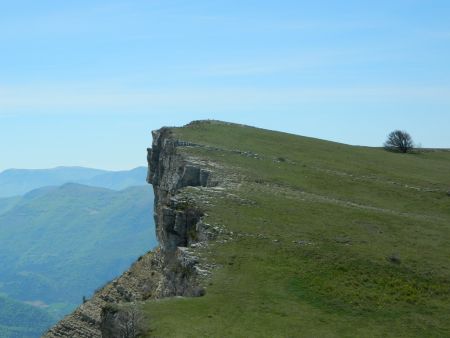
[170,270]
[170,171]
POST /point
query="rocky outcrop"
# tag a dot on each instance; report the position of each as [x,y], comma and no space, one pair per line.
[137,284]
[171,269]
[176,218]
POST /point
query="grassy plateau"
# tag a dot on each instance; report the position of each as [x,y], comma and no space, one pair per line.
[329,240]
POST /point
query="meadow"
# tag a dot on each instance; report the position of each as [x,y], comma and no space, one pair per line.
[329,240]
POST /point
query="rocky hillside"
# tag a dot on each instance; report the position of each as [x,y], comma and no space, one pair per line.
[171,270]
[264,234]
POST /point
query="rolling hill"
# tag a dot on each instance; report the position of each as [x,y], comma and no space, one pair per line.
[59,244]
[7,203]
[118,180]
[15,182]
[19,320]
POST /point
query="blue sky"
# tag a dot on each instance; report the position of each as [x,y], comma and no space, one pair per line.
[84,82]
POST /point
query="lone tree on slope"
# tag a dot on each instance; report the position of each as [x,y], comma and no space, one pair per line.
[399,141]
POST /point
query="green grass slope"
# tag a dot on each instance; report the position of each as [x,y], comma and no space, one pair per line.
[60,243]
[329,240]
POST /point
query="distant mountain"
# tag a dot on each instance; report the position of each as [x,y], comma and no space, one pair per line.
[20,181]
[15,182]
[60,243]
[20,320]
[7,203]
[118,180]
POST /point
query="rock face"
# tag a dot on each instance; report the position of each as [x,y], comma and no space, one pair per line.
[168,271]
[170,171]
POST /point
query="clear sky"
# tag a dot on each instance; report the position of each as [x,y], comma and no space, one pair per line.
[84,82]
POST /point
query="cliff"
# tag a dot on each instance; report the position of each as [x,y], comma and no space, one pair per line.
[284,236]
[170,270]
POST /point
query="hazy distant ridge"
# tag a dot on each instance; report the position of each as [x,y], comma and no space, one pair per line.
[59,243]
[14,182]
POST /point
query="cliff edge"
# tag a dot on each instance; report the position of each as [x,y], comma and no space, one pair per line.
[267,234]
[170,270]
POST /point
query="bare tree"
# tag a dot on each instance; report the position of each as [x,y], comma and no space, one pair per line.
[400,141]
[130,322]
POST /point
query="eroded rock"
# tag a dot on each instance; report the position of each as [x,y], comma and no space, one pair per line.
[171,269]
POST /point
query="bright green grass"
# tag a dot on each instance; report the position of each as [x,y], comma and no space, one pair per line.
[329,216]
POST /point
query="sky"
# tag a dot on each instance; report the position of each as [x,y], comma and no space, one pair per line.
[84,82]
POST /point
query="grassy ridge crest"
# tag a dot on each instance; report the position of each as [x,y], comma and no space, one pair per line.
[329,240]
